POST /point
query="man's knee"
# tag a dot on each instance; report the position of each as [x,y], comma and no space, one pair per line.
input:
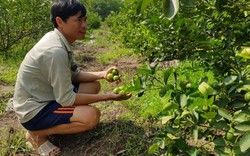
[88,116]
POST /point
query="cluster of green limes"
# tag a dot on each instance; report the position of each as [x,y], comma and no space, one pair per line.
[120,90]
[114,75]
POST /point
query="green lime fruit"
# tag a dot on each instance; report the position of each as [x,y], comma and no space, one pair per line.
[188,85]
[116,77]
[116,90]
[110,76]
[247,96]
[115,72]
[205,89]
[230,135]
[122,87]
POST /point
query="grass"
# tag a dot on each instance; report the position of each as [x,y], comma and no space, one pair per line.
[8,71]
[11,143]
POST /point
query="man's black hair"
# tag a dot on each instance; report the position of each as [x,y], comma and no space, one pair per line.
[66,8]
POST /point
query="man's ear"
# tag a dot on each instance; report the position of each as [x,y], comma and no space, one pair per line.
[59,21]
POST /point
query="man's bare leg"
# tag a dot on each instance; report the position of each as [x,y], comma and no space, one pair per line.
[84,118]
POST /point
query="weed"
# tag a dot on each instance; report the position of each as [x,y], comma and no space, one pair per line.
[12,142]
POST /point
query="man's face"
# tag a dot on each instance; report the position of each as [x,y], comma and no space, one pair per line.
[74,28]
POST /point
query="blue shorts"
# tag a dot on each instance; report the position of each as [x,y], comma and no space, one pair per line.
[46,118]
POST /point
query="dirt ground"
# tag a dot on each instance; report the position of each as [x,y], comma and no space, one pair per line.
[111,136]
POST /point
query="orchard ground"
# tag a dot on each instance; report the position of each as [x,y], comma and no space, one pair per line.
[120,132]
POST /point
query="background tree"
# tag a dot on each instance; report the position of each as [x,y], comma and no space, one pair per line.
[21,23]
[104,7]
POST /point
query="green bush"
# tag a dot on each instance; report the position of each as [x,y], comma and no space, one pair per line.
[94,20]
[103,7]
[210,30]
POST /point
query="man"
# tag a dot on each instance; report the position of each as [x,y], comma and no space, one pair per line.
[45,100]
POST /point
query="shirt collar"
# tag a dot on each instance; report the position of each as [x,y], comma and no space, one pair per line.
[66,43]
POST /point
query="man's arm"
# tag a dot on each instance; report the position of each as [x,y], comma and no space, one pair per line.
[84,99]
[92,76]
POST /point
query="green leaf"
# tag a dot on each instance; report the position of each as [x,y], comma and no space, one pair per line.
[162,91]
[195,133]
[189,3]
[167,75]
[171,136]
[183,100]
[169,106]
[219,124]
[244,126]
[237,104]
[241,117]
[220,142]
[230,79]
[143,71]
[192,151]
[181,143]
[165,119]
[219,4]
[245,88]
[210,101]
[153,148]
[209,115]
[222,151]
[137,83]
[197,102]
[196,115]
[185,113]
[138,5]
[225,114]
[233,88]
[145,3]
[170,8]
[245,53]
[245,142]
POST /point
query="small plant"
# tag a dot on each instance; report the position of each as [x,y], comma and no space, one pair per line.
[199,108]
[13,142]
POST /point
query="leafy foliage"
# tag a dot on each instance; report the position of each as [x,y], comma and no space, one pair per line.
[217,34]
[207,30]
[200,109]
[21,24]
[94,21]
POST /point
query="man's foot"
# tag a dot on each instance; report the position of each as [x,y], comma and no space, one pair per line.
[43,145]
[48,149]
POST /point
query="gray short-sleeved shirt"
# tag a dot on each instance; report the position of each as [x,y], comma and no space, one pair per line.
[45,74]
